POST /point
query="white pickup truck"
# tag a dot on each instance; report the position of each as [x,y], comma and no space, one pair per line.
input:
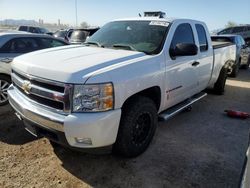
[110,92]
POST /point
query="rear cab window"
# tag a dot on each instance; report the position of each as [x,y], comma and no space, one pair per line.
[203,44]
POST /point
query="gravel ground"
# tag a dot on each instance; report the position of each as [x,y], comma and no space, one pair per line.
[201,148]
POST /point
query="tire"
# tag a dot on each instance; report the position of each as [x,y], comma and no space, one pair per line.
[137,127]
[219,86]
[5,82]
[235,70]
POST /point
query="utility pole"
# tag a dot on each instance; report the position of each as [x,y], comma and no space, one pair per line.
[76,12]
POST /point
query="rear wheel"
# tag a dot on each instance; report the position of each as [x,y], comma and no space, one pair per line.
[5,82]
[236,69]
[137,127]
[219,86]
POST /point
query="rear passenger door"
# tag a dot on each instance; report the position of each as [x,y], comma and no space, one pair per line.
[205,56]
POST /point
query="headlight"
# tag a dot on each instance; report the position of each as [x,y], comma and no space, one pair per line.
[93,98]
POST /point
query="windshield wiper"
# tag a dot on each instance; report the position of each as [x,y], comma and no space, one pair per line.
[128,47]
[94,43]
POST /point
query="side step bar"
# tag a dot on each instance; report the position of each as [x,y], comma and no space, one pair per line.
[167,114]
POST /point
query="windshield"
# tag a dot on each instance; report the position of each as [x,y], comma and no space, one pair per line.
[143,36]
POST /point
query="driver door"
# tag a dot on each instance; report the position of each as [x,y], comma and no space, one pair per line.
[182,76]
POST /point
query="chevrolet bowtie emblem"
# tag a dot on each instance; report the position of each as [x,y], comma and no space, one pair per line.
[26,86]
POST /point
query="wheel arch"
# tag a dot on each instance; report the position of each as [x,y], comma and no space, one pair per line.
[7,75]
[154,93]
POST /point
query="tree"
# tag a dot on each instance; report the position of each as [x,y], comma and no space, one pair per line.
[84,25]
[230,24]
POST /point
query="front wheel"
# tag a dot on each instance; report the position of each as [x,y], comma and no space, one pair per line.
[137,127]
[5,82]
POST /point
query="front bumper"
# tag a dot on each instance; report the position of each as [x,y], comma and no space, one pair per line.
[100,129]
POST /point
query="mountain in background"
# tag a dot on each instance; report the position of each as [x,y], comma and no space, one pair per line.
[13,22]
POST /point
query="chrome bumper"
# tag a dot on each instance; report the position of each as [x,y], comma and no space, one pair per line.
[34,112]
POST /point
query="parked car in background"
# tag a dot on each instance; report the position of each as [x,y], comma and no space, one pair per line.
[63,34]
[33,29]
[243,30]
[79,36]
[13,44]
[242,51]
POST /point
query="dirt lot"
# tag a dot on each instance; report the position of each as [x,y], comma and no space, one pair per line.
[201,148]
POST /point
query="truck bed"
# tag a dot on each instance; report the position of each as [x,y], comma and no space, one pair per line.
[219,44]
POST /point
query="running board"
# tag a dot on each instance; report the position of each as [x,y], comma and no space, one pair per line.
[167,114]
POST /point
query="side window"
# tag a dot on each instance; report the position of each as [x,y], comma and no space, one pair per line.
[33,30]
[49,43]
[20,45]
[225,31]
[6,47]
[238,29]
[202,37]
[23,28]
[183,34]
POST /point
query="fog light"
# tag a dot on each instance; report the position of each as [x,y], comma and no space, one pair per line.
[86,141]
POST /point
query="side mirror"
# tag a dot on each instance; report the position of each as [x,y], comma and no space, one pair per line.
[183,49]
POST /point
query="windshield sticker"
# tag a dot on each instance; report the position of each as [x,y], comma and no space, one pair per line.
[159,23]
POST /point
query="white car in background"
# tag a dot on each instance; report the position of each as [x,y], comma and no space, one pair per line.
[13,44]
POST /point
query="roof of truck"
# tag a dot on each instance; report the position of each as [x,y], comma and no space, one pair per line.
[154,19]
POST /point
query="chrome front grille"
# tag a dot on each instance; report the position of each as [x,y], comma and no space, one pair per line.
[53,95]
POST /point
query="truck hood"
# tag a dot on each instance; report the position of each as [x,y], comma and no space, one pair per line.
[71,64]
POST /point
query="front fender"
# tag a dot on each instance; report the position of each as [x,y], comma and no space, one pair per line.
[5,68]
[130,78]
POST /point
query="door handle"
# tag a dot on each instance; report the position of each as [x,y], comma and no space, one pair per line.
[196,63]
[6,60]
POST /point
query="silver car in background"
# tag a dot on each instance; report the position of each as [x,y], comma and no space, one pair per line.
[15,43]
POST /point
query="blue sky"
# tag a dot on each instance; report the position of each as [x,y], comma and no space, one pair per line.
[216,13]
